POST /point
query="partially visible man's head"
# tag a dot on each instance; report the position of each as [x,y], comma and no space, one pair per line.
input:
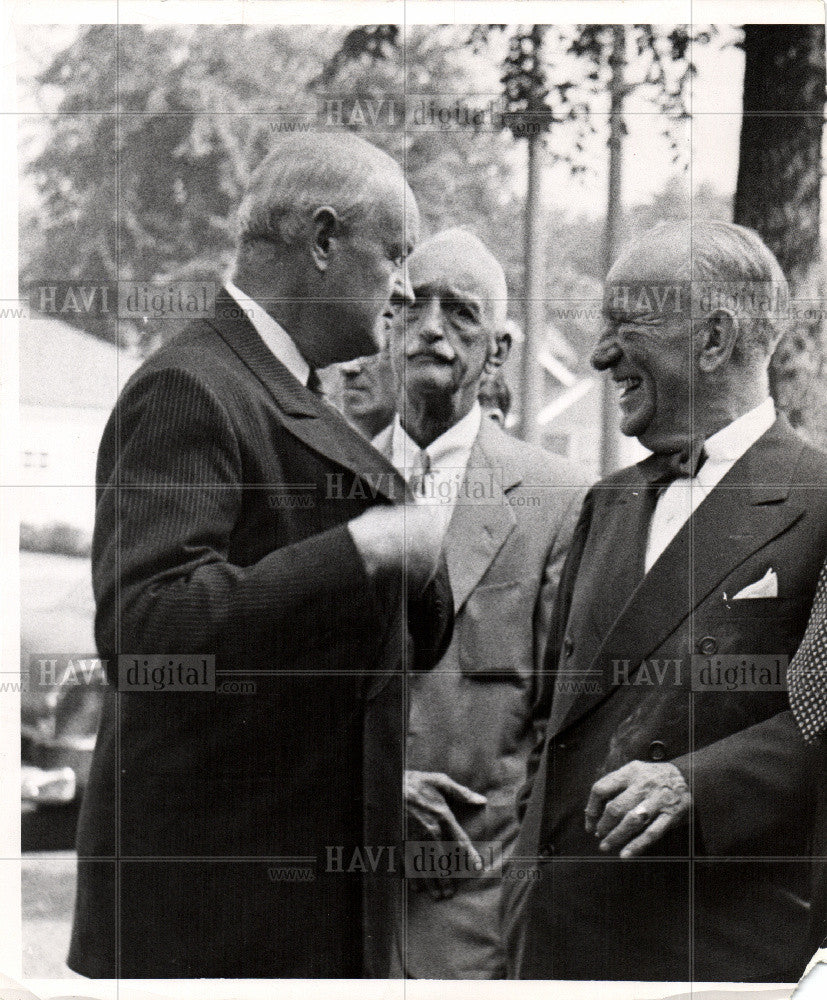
[369,392]
[454,333]
[691,318]
[327,220]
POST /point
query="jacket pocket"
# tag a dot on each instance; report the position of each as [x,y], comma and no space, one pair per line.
[762,625]
[495,634]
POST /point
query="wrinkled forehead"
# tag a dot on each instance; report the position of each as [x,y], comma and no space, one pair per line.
[648,282]
[459,269]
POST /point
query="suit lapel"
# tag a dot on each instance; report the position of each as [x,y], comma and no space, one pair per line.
[618,516]
[479,529]
[304,415]
[748,509]
[383,442]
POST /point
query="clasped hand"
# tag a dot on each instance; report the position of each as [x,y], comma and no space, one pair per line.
[432,818]
[631,808]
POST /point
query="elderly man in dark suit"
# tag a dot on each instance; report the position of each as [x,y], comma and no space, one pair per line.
[510,509]
[225,834]
[669,817]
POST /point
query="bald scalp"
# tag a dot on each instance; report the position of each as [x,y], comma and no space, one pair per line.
[460,258]
[719,265]
[701,250]
[303,173]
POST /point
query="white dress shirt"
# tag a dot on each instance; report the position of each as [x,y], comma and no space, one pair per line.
[682,497]
[277,339]
[447,461]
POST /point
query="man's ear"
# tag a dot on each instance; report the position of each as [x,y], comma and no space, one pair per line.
[325,230]
[499,348]
[720,334]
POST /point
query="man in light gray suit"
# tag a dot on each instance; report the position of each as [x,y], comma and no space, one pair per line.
[509,512]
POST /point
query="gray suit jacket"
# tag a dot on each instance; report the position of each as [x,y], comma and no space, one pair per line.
[475,717]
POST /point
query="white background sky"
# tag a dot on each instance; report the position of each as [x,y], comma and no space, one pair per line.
[712,135]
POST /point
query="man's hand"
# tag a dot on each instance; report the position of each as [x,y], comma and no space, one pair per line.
[631,808]
[426,800]
[404,539]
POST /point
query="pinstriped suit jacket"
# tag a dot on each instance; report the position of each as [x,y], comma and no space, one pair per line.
[223,491]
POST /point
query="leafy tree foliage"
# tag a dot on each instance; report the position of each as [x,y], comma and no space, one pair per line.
[151,146]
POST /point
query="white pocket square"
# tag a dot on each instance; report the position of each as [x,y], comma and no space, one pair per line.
[767,586]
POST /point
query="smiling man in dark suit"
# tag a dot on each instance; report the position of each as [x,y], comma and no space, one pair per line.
[670,816]
[238,516]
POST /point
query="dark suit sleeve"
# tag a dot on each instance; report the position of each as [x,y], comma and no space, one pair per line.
[556,633]
[169,498]
[753,791]
[431,620]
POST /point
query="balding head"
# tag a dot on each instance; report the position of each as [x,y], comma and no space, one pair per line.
[457,256]
[303,173]
[692,313]
[324,230]
[453,335]
[719,265]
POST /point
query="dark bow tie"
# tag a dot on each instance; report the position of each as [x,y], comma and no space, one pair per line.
[665,467]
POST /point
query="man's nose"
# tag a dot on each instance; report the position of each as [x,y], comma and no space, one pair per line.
[429,327]
[606,355]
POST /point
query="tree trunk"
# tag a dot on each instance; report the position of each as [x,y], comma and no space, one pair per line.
[609,416]
[778,193]
[535,307]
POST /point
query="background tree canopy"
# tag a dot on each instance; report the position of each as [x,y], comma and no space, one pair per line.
[156,130]
[149,194]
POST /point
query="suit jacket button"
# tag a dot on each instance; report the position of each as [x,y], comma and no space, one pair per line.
[546,851]
[708,646]
[657,750]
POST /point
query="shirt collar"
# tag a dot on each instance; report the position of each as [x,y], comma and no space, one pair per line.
[451,448]
[277,339]
[733,441]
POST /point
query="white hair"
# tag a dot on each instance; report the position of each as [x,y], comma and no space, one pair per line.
[466,250]
[305,172]
[728,265]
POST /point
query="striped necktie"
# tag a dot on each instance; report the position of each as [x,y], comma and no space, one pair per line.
[807,674]
[420,471]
